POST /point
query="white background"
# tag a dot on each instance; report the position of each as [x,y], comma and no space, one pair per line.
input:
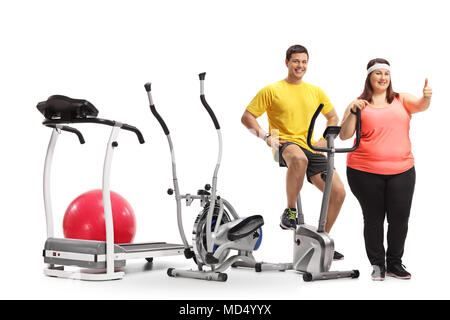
[105,51]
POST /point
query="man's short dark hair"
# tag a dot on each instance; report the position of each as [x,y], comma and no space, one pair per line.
[296,48]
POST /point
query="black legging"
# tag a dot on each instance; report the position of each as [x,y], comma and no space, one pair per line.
[380,196]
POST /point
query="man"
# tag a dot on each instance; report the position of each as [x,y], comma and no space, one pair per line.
[290,105]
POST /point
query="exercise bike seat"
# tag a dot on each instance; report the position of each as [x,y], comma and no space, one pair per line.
[66,109]
[245,227]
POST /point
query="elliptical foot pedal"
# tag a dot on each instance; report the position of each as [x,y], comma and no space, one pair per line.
[245,227]
[210,259]
[188,253]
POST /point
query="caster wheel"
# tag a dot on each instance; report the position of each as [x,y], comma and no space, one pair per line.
[169,272]
[223,277]
[355,274]
[258,267]
[307,277]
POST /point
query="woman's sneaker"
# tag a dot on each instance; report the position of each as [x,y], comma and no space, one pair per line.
[398,271]
[378,273]
[289,219]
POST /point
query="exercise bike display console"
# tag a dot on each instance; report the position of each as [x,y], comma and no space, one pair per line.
[98,260]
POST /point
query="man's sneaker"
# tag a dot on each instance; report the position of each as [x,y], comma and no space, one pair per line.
[289,219]
[338,256]
[398,271]
[378,273]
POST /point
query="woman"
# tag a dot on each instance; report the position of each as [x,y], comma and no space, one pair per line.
[381,171]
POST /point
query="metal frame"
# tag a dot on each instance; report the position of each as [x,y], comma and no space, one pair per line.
[46,187]
[116,256]
[109,227]
[213,237]
[313,247]
[110,257]
[109,224]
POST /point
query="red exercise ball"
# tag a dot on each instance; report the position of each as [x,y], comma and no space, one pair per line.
[85,218]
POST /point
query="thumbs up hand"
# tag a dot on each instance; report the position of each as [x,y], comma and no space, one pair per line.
[427,92]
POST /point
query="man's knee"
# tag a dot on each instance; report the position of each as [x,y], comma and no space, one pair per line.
[297,162]
[338,193]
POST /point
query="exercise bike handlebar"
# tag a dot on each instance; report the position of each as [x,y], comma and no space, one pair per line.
[337,150]
[205,104]
[148,88]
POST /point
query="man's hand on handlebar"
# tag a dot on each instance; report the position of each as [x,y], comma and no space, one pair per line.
[322,143]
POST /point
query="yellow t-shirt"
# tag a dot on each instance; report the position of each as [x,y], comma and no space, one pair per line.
[290,108]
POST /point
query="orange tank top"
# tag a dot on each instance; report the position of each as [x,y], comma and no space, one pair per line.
[385,147]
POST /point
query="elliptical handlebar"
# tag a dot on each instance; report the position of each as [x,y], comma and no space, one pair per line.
[336,150]
[148,88]
[205,103]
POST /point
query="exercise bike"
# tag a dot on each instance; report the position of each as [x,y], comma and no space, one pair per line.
[218,229]
[313,247]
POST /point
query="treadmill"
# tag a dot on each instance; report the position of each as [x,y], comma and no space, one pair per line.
[96,260]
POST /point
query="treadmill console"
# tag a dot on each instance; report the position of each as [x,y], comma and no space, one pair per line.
[58,107]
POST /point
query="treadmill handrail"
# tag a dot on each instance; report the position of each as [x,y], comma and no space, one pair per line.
[112,123]
[68,129]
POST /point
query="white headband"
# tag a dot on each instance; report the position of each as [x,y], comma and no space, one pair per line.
[378,66]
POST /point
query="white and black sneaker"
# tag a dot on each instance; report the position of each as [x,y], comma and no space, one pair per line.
[378,273]
[398,271]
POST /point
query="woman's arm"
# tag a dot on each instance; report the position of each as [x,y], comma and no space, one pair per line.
[414,104]
[348,125]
